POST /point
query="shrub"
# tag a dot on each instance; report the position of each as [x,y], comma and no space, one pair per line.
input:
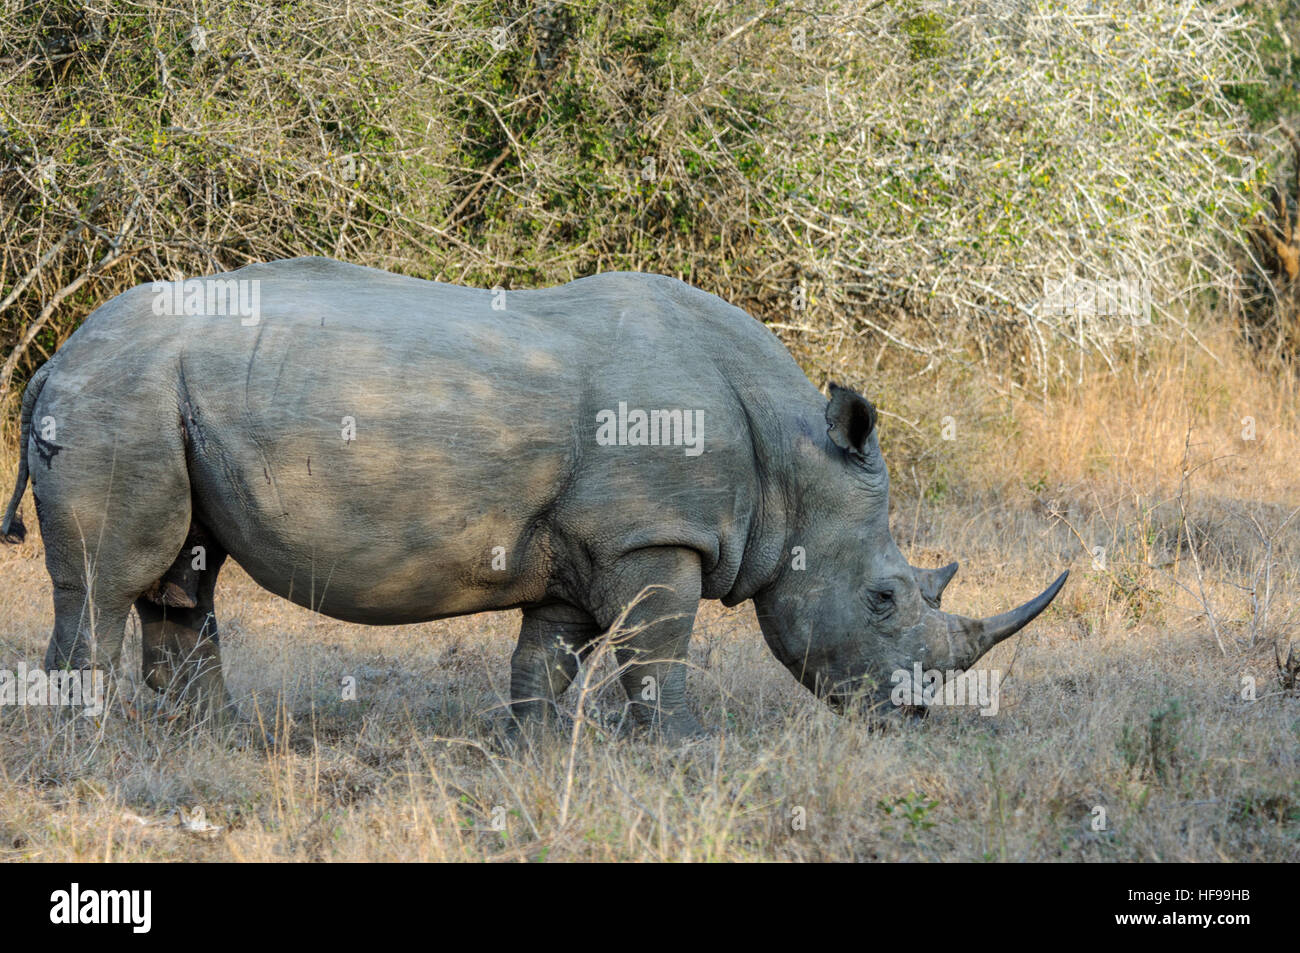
[898,176]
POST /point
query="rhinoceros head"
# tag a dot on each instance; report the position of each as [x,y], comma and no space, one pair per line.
[852,617]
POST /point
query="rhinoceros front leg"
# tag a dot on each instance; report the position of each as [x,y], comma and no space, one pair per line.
[551,641]
[660,590]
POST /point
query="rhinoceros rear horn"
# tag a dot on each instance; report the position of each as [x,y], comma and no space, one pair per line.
[980,635]
[933,581]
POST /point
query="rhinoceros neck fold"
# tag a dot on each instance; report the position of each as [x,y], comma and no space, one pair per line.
[773,521]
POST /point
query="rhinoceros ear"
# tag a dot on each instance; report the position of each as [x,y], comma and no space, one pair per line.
[851,419]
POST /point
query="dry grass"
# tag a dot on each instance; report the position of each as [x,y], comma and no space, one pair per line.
[1125,697]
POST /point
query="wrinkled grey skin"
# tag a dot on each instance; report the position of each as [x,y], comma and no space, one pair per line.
[475,428]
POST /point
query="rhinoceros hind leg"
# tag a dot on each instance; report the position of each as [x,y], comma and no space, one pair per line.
[181,652]
[113,511]
[98,571]
[88,630]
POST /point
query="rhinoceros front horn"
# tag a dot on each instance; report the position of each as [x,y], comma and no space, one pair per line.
[968,639]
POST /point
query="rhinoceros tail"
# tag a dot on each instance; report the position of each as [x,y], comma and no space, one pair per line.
[12,529]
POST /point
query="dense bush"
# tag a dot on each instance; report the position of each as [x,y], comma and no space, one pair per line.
[902,176]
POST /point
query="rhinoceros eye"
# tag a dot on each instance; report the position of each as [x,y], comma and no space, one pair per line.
[881,601]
